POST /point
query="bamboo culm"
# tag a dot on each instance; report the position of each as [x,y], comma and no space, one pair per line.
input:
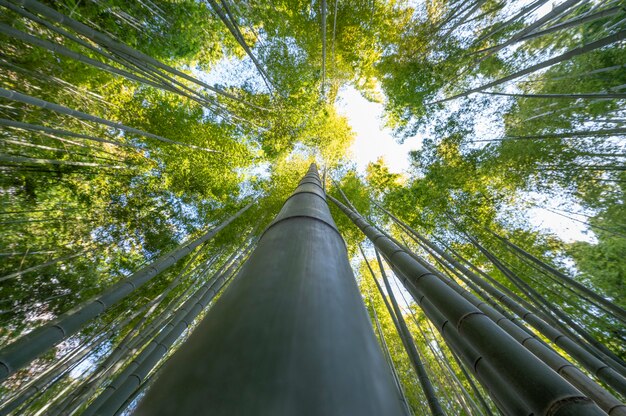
[294,305]
[589,361]
[605,400]
[594,346]
[130,341]
[27,348]
[407,339]
[118,391]
[385,348]
[541,390]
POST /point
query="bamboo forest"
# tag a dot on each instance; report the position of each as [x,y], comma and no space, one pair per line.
[318,207]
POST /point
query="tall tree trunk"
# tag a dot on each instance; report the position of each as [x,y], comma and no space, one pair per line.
[290,335]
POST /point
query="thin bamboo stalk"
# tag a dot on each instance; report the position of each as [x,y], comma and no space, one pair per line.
[26,99]
[407,339]
[117,392]
[618,312]
[21,352]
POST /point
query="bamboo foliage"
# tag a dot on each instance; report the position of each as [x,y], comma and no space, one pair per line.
[93,310]
[117,48]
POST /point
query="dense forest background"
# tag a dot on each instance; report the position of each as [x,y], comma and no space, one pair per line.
[130,127]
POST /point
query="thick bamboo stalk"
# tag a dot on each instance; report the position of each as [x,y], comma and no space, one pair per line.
[445,367]
[505,364]
[291,334]
[119,390]
[470,381]
[593,346]
[605,400]
[586,359]
[60,368]
[21,352]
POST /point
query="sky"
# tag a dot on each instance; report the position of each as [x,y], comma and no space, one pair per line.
[373,140]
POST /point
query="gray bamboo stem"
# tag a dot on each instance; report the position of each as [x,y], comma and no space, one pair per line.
[589,361]
[24,350]
[291,328]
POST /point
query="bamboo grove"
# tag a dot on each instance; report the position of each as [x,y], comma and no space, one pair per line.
[185,229]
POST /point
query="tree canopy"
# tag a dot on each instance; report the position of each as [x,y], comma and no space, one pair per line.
[130,128]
